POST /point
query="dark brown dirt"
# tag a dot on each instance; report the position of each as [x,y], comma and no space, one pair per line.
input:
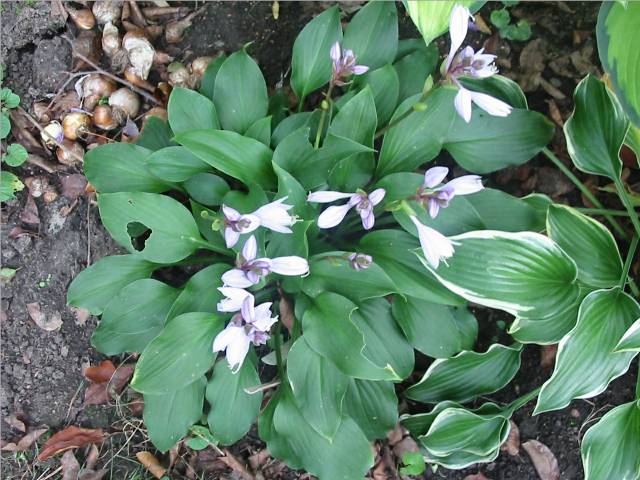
[41,371]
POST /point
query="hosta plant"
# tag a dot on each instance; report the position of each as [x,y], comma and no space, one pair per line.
[329,248]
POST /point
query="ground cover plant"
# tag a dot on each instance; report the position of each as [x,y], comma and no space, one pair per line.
[237,183]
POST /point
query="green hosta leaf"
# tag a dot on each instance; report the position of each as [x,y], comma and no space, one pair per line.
[168,416]
[588,243]
[200,438]
[610,448]
[618,35]
[175,164]
[207,188]
[155,134]
[134,317]
[499,87]
[297,156]
[413,70]
[189,110]
[293,123]
[439,331]
[413,464]
[630,341]
[333,272]
[586,362]
[373,406]
[121,167]
[596,129]
[372,34]
[501,211]
[260,130]
[9,184]
[318,388]
[243,158]
[467,375]
[208,82]
[296,195]
[95,286]
[240,93]
[174,233]
[348,455]
[16,155]
[392,250]
[329,330]
[180,355]
[484,145]
[200,293]
[432,18]
[521,273]
[232,409]
[385,86]
[311,63]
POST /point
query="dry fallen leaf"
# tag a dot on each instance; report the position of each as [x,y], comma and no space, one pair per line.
[287,317]
[70,437]
[40,319]
[512,445]
[70,466]
[258,459]
[100,373]
[92,474]
[234,464]
[29,213]
[476,476]
[100,392]
[82,315]
[73,185]
[151,463]
[543,460]
[14,422]
[548,356]
[25,442]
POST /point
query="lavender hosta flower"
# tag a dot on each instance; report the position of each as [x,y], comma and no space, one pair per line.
[250,325]
[344,64]
[468,62]
[360,261]
[435,197]
[236,224]
[234,297]
[435,246]
[249,269]
[362,202]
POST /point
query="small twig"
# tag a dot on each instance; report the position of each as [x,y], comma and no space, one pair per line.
[136,14]
[152,13]
[40,162]
[233,463]
[47,134]
[102,71]
[88,233]
[64,86]
[51,474]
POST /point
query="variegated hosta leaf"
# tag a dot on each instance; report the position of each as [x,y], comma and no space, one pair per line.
[525,273]
[467,375]
[432,18]
[630,341]
[586,361]
[610,449]
[588,243]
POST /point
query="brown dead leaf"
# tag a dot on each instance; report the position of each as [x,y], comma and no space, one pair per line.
[407,444]
[92,457]
[151,463]
[92,474]
[70,437]
[395,435]
[548,356]
[476,476]
[70,466]
[25,442]
[100,373]
[481,24]
[258,459]
[82,315]
[287,317]
[234,464]
[51,324]
[512,445]
[554,112]
[29,213]
[100,393]
[14,422]
[543,460]
[73,185]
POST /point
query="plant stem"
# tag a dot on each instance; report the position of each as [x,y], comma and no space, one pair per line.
[277,343]
[323,116]
[401,117]
[523,400]
[583,188]
[209,246]
[603,211]
[627,263]
[624,196]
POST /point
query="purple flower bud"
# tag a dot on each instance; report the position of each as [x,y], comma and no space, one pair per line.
[362,202]
[360,261]
[344,64]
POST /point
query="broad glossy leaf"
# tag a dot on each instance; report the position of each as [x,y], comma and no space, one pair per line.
[501,211]
[175,164]
[413,70]
[200,293]
[384,342]
[155,134]
[174,233]
[243,158]
[372,34]
[207,188]
[439,331]
[133,317]
[277,443]
[240,92]
[373,406]
[96,285]
[348,455]
[392,250]
[588,243]
[208,82]
[180,355]
[618,35]
[499,87]
[385,86]
[329,330]
[586,361]
[484,145]
[260,130]
[311,63]
[292,123]
[318,388]
[233,410]
[189,110]
[521,273]
[467,375]
[296,155]
[432,18]
[296,195]
[168,416]
[118,167]
[596,129]
[630,341]
[610,448]
[333,272]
